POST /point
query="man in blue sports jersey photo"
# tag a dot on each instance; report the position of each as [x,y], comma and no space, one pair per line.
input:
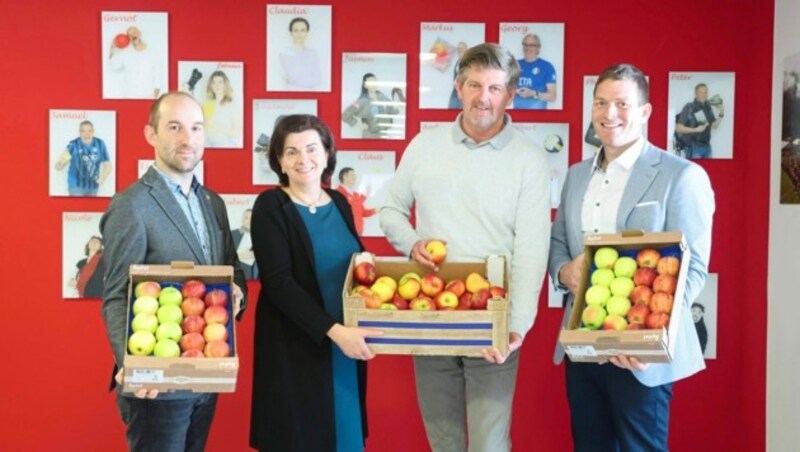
[537,79]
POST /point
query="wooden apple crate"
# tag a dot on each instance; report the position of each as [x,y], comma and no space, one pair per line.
[182,374]
[448,333]
[652,346]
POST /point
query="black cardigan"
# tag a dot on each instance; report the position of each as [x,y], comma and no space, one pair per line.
[292,403]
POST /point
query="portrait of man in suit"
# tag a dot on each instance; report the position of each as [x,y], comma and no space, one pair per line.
[629,184]
[165,216]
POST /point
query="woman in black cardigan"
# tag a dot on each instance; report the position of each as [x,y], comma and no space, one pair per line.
[304,358]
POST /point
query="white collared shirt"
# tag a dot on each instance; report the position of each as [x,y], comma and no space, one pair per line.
[604,193]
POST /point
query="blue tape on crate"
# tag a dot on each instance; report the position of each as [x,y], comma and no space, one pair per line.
[426,325]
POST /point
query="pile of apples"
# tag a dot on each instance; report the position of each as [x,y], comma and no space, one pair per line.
[422,293]
[628,293]
[170,322]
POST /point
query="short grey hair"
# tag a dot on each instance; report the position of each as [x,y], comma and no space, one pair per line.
[489,56]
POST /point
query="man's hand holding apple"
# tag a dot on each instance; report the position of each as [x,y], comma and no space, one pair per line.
[420,254]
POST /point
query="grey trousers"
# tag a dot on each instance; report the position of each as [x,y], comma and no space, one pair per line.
[466,401]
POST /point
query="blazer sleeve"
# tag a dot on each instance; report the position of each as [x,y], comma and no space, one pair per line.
[230,256]
[559,242]
[276,263]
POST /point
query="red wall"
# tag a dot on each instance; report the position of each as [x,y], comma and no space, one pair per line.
[54,377]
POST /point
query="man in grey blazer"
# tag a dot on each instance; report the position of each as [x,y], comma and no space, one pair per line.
[629,184]
[165,216]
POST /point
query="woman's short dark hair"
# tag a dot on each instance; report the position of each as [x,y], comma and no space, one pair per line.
[299,19]
[297,124]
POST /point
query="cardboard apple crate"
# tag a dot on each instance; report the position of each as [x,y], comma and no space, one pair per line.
[653,346]
[453,333]
[182,374]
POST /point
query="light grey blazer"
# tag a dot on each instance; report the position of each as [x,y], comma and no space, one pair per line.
[145,225]
[664,193]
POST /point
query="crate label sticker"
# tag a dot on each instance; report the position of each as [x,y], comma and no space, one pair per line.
[147,376]
[581,351]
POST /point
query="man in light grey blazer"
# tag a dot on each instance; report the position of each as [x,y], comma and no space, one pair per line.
[629,184]
[165,216]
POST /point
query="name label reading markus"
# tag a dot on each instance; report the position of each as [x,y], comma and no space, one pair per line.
[437,27]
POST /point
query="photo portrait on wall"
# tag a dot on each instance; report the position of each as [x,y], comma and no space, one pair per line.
[144,165]
[240,210]
[441,47]
[299,48]
[374,96]
[134,53]
[81,255]
[553,139]
[704,316]
[700,114]
[591,143]
[82,153]
[219,87]
[790,132]
[266,114]
[363,178]
[539,50]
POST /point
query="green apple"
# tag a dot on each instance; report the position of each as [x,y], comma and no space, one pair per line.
[167,348]
[625,267]
[141,343]
[145,304]
[605,257]
[621,287]
[169,330]
[602,277]
[169,296]
[146,321]
[170,313]
[618,305]
[597,295]
[593,317]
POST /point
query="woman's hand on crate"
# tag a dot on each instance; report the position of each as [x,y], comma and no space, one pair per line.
[351,340]
[570,273]
[494,355]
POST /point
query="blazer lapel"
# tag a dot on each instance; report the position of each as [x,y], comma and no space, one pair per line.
[166,200]
[642,175]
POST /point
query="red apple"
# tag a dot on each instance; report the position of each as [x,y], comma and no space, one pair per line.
[668,265]
[437,250]
[216,314]
[400,302]
[216,297]
[644,276]
[193,288]
[193,306]
[615,322]
[215,332]
[456,286]
[636,326]
[661,302]
[364,273]
[422,304]
[641,295]
[657,320]
[464,302]
[217,349]
[122,40]
[446,300]
[432,284]
[638,314]
[148,288]
[193,324]
[371,300]
[480,299]
[193,354]
[192,341]
[665,283]
[648,258]
[497,292]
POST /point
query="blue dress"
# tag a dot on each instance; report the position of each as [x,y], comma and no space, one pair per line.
[333,245]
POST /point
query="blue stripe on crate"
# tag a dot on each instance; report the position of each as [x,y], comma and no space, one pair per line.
[451,342]
[425,325]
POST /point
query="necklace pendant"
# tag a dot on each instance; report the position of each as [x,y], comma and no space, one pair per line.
[312,209]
